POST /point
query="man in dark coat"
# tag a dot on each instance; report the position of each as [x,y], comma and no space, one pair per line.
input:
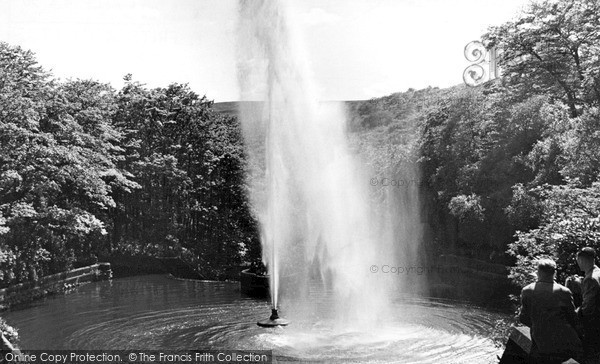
[547,308]
[589,311]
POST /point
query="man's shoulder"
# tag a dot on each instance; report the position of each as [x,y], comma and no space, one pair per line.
[528,288]
[560,288]
[596,273]
[593,278]
[556,287]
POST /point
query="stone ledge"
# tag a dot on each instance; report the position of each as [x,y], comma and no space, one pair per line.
[55,283]
[518,346]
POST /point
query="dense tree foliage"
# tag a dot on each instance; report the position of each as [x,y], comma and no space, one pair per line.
[553,48]
[475,147]
[515,162]
[507,171]
[512,164]
[190,164]
[57,149]
[569,221]
[87,171]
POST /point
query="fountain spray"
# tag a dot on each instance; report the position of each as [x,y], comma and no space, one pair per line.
[274,319]
[308,188]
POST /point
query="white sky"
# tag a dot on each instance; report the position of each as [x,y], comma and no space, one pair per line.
[358,48]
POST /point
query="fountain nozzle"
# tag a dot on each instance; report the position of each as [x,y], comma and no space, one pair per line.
[273,320]
[274,315]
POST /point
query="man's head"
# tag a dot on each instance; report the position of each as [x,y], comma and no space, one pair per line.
[586,258]
[546,269]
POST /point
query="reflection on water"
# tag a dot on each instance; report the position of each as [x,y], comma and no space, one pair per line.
[156,312]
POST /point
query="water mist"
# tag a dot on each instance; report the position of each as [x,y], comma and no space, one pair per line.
[320,232]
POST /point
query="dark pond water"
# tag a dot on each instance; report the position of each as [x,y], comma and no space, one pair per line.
[158,312]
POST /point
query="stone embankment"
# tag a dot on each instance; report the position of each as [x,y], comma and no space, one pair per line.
[53,284]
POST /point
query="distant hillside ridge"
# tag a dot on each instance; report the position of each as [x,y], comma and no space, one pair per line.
[399,107]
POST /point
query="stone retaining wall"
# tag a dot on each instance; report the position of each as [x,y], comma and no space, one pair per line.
[52,284]
[518,346]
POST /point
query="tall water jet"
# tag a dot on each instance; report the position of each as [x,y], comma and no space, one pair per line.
[310,192]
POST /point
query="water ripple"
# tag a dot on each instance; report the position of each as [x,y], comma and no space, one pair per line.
[158,313]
